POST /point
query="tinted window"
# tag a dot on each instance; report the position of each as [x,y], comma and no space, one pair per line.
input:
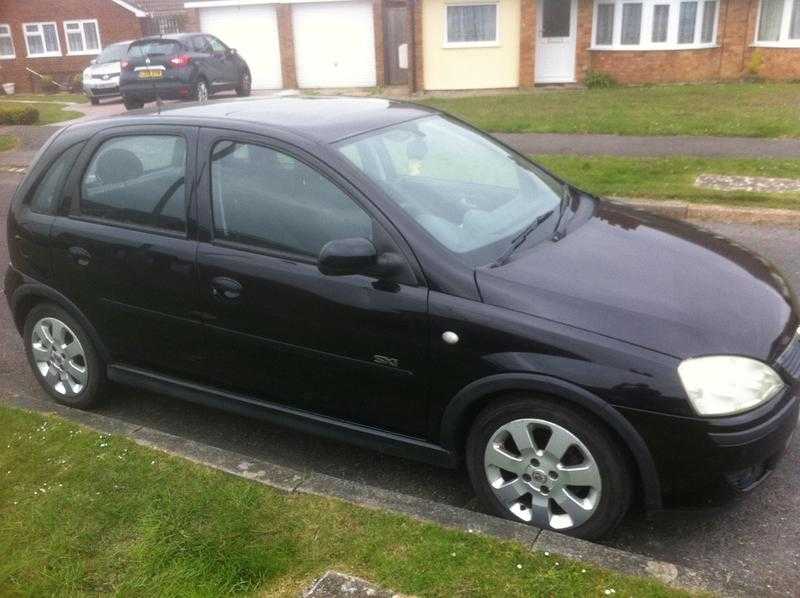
[154,47]
[200,44]
[113,53]
[216,45]
[138,179]
[268,199]
[47,191]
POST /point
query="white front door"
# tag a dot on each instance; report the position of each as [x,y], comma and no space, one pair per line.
[556,33]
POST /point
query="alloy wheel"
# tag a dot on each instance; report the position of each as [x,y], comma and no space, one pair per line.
[543,474]
[245,83]
[59,356]
[202,92]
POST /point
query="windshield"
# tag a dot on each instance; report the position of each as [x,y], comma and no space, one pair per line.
[113,53]
[472,195]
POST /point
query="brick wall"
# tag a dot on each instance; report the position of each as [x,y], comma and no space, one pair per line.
[583,41]
[419,72]
[377,19]
[115,24]
[658,66]
[286,42]
[527,48]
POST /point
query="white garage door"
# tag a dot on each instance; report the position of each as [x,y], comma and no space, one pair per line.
[334,44]
[253,31]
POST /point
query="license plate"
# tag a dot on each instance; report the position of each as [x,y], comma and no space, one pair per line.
[151,74]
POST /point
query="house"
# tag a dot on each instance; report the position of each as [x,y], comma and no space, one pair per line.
[60,41]
[166,16]
[493,44]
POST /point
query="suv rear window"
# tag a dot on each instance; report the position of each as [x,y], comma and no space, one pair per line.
[154,47]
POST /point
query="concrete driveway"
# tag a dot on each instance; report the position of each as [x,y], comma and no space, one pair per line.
[754,540]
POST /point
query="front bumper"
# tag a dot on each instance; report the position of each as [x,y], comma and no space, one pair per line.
[97,88]
[734,454]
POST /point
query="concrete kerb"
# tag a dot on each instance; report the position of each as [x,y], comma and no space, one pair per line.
[713,213]
[290,480]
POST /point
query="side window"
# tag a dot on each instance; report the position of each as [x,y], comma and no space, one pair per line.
[216,45]
[138,179]
[43,198]
[200,44]
[268,199]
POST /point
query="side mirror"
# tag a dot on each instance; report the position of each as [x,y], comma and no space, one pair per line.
[341,257]
[232,52]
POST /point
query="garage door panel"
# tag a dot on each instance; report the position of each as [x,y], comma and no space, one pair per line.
[253,31]
[334,44]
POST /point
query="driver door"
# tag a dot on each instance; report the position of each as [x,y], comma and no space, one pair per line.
[349,347]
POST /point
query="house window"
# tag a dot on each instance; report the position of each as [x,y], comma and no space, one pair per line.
[471,25]
[655,24]
[6,42]
[83,37]
[41,39]
[778,23]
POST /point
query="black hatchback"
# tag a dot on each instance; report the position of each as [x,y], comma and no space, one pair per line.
[185,66]
[383,274]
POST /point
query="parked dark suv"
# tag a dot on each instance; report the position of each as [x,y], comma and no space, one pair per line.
[182,66]
[381,273]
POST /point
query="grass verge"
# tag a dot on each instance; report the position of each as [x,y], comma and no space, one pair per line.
[673,178]
[47,97]
[7,142]
[729,109]
[49,112]
[84,513]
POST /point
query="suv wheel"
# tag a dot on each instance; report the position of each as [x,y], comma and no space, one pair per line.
[131,104]
[63,357]
[245,84]
[94,101]
[201,91]
[536,461]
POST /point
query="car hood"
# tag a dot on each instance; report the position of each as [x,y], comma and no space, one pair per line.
[107,68]
[651,281]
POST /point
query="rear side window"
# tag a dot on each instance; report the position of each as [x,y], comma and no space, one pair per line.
[268,199]
[48,191]
[154,47]
[139,180]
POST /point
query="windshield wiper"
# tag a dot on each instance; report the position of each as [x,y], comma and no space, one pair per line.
[520,238]
[566,199]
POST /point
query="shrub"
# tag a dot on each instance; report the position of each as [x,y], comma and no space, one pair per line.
[19,116]
[755,63]
[598,80]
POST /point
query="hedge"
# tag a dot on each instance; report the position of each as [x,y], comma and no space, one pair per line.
[19,116]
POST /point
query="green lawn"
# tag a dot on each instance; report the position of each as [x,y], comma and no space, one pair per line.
[672,178]
[49,112]
[7,142]
[730,109]
[47,97]
[83,513]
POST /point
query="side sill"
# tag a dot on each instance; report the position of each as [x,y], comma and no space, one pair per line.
[328,427]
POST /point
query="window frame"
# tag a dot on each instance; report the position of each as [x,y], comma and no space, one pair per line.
[783,41]
[10,36]
[646,42]
[80,23]
[446,43]
[40,26]
[74,182]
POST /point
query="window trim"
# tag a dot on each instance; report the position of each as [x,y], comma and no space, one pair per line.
[646,43]
[80,23]
[446,43]
[10,36]
[40,26]
[784,41]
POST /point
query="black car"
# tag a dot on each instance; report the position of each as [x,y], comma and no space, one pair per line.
[186,66]
[383,274]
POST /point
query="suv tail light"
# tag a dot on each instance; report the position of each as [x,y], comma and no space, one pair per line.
[180,61]
[126,65]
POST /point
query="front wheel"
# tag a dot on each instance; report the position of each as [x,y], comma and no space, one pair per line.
[245,85]
[131,104]
[94,101]
[63,357]
[539,462]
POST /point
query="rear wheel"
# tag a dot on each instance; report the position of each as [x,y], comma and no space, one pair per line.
[94,101]
[201,91]
[245,84]
[63,357]
[539,462]
[131,104]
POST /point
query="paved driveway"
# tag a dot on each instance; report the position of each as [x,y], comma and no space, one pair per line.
[754,540]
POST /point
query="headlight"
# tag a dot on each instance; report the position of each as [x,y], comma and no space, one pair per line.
[723,384]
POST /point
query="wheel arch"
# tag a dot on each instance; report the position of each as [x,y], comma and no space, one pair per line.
[464,407]
[29,295]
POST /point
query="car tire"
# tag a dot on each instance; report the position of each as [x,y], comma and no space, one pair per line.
[201,91]
[535,486]
[63,357]
[131,104]
[245,85]
[94,101]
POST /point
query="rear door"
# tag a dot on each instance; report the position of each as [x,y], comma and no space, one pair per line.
[227,61]
[124,251]
[350,347]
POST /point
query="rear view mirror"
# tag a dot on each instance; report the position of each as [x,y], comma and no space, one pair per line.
[342,257]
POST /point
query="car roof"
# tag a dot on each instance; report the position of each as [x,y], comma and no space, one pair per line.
[324,119]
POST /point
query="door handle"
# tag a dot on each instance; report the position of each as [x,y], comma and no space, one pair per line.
[80,256]
[225,289]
